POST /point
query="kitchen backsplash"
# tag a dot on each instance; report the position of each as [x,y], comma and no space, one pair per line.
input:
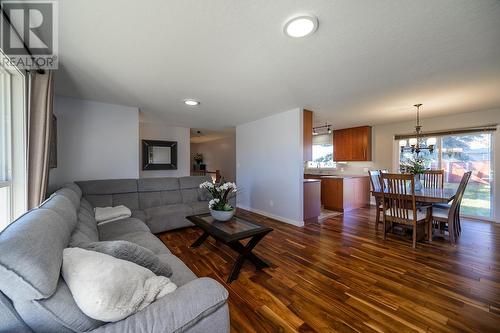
[341,168]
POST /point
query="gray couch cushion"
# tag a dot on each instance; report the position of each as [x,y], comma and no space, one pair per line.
[171,197]
[193,181]
[151,199]
[58,313]
[203,194]
[86,205]
[181,274]
[64,207]
[189,195]
[86,228]
[139,214]
[108,186]
[31,259]
[100,200]
[143,238]
[159,198]
[131,252]
[179,311]
[10,321]
[115,229]
[157,184]
[70,194]
[75,188]
[199,207]
[130,200]
[168,217]
[190,188]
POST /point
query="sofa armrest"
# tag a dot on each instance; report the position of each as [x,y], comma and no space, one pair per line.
[177,311]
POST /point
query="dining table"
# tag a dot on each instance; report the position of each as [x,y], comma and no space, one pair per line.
[428,195]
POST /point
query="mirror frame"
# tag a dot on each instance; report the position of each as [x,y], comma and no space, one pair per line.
[147,144]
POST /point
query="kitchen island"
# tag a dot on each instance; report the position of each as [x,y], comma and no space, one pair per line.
[343,192]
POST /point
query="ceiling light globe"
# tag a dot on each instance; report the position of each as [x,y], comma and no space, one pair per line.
[191,102]
[301,26]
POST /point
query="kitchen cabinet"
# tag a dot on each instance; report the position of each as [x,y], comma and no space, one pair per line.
[312,200]
[345,193]
[308,134]
[352,144]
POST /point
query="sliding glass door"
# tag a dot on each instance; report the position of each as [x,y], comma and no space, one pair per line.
[460,153]
[457,154]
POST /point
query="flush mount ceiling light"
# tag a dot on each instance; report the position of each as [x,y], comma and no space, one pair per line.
[191,102]
[301,26]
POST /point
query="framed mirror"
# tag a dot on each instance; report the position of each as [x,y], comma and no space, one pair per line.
[159,155]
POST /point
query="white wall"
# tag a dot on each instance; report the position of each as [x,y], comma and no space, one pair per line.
[156,130]
[218,154]
[95,141]
[269,166]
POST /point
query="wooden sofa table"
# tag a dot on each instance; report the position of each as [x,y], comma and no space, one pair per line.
[231,233]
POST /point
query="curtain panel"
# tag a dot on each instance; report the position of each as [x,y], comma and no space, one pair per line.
[41,98]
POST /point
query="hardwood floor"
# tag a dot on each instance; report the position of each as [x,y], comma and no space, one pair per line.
[341,276]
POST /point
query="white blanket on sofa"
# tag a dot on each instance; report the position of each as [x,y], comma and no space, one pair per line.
[108,214]
[110,289]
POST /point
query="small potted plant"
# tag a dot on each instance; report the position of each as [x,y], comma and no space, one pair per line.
[219,206]
[198,158]
[415,166]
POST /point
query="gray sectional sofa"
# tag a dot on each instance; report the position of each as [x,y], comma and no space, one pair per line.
[34,296]
[163,203]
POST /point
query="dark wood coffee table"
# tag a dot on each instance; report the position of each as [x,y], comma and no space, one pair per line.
[230,233]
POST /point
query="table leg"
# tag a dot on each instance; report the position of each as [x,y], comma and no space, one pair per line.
[245,252]
[430,224]
[200,240]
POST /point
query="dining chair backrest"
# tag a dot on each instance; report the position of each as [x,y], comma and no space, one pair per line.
[454,213]
[398,193]
[433,178]
[375,180]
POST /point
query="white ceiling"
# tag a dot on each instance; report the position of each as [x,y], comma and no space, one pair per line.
[368,63]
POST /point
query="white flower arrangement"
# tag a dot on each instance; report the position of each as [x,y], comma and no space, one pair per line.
[220,195]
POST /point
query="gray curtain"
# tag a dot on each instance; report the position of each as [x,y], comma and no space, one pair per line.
[41,97]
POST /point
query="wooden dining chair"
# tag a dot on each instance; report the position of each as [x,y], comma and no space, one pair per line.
[433,178]
[450,217]
[376,183]
[400,206]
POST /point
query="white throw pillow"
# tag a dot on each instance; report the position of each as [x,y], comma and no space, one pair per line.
[110,289]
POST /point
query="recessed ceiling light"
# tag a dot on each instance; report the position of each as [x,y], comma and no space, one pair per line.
[301,26]
[191,102]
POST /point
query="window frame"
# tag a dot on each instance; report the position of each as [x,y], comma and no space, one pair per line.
[14,175]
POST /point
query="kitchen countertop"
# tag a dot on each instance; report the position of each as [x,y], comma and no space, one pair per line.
[344,176]
[311,180]
[335,176]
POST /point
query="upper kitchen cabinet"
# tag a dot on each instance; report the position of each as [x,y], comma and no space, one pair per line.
[308,135]
[352,144]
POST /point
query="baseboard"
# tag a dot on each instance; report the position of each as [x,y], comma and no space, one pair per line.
[272,216]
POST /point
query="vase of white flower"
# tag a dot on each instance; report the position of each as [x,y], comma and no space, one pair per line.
[219,206]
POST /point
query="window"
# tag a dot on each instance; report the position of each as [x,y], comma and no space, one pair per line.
[457,154]
[323,155]
[12,144]
[322,151]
